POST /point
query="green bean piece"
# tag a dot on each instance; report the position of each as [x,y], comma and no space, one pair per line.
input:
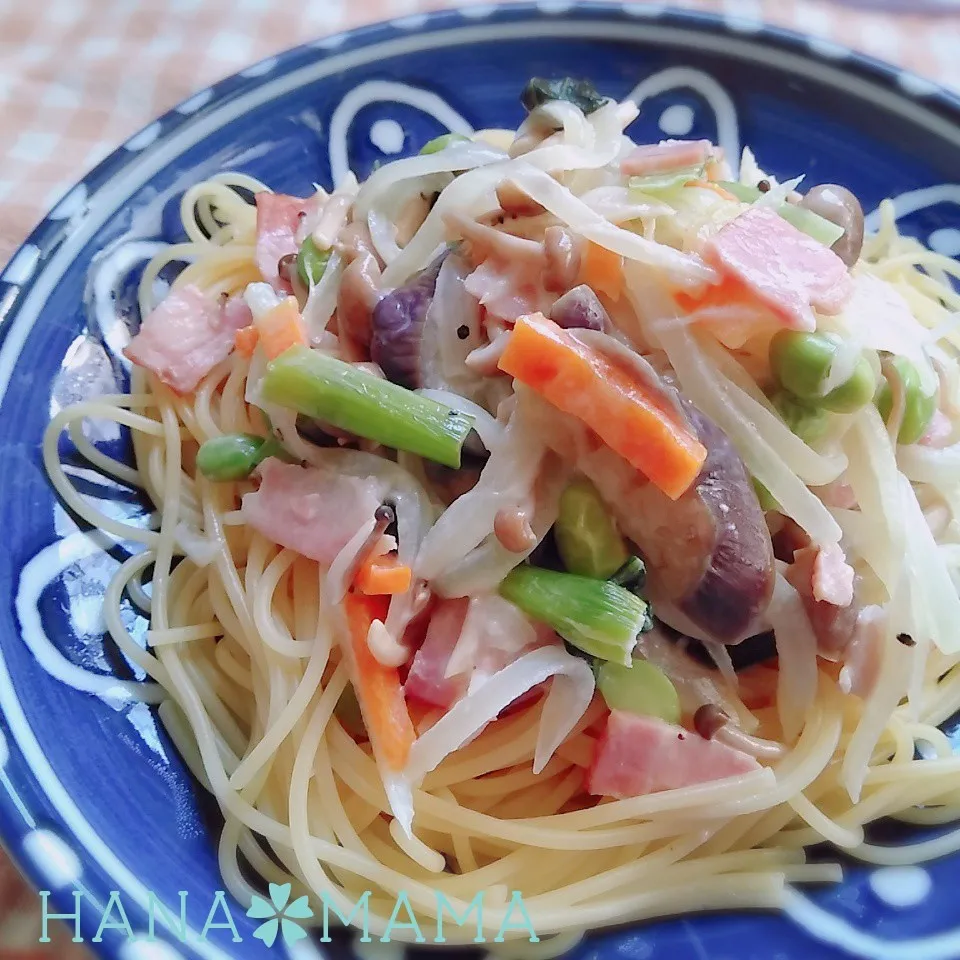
[351,399]
[596,616]
[631,576]
[918,408]
[640,688]
[808,421]
[311,262]
[442,142]
[232,456]
[663,185]
[587,538]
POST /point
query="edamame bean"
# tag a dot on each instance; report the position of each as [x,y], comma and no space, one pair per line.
[311,262]
[918,406]
[587,538]
[856,392]
[801,363]
[640,688]
[442,142]
[232,456]
[808,421]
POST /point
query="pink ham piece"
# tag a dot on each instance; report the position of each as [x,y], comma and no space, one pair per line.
[787,270]
[649,159]
[426,680]
[641,755]
[278,218]
[472,640]
[186,335]
[508,290]
[830,576]
[312,511]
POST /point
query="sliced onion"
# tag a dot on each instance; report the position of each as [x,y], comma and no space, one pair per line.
[462,156]
[759,435]
[681,269]
[336,581]
[928,465]
[843,364]
[400,800]
[777,195]
[555,154]
[488,428]
[695,684]
[874,478]
[797,653]
[507,478]
[935,602]
[720,655]
[199,549]
[569,697]
[452,309]
[485,567]
[383,233]
[322,299]
[615,203]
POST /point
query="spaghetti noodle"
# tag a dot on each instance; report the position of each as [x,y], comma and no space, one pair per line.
[253,662]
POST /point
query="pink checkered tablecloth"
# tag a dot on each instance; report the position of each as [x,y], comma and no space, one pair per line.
[83,76]
[78,77]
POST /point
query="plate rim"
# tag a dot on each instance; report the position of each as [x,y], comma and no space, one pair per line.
[31,257]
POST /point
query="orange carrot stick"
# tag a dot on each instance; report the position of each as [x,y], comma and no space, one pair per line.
[383,575]
[629,416]
[602,269]
[245,340]
[281,328]
[378,688]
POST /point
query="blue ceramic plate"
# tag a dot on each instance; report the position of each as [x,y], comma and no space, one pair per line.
[94,801]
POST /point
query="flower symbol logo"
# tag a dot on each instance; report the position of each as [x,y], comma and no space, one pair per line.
[279,916]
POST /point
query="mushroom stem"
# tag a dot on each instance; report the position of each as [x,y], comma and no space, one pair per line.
[713,723]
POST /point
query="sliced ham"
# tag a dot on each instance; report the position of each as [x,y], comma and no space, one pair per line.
[825,574]
[313,511]
[834,624]
[641,755]
[785,269]
[186,335]
[467,642]
[278,219]
[832,576]
[649,159]
[427,680]
[508,290]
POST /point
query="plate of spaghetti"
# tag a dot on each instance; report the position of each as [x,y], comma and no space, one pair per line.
[515,509]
